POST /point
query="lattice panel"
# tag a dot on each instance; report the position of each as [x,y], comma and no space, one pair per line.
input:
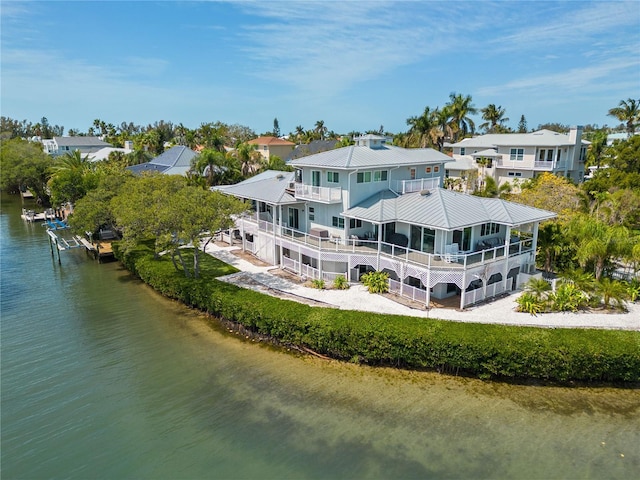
[335,257]
[355,260]
[440,276]
[391,265]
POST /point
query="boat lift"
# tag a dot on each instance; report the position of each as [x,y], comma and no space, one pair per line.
[62,244]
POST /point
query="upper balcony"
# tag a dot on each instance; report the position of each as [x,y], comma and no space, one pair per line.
[318,194]
[409,186]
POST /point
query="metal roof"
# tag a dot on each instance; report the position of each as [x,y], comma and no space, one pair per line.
[541,138]
[460,164]
[80,141]
[270,187]
[362,157]
[175,161]
[444,210]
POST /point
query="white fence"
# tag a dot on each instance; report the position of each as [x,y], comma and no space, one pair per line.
[407,291]
[307,271]
[479,294]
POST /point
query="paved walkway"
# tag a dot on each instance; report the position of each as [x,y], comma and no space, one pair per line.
[500,311]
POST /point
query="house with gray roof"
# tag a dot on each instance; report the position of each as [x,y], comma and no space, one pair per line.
[84,144]
[175,161]
[377,207]
[507,156]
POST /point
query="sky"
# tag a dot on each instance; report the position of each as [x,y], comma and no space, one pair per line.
[356,65]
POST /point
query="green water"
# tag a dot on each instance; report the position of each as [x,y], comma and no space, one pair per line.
[102,378]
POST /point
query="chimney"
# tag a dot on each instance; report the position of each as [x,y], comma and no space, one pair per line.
[575,134]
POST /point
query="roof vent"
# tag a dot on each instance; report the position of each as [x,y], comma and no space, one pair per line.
[280,176]
[425,192]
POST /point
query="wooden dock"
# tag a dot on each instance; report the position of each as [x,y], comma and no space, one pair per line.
[100,250]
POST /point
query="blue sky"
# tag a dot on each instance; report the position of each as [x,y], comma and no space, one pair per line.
[356,65]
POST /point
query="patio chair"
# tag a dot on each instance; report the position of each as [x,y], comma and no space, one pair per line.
[451,253]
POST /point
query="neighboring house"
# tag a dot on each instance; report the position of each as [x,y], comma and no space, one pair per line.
[525,155]
[378,207]
[103,153]
[175,161]
[311,148]
[61,145]
[460,169]
[268,146]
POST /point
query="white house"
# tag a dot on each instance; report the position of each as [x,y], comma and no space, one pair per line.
[372,206]
[524,155]
[84,144]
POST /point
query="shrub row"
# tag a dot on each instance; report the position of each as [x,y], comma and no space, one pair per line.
[486,351]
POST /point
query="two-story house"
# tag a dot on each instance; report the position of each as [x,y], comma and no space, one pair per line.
[507,156]
[84,144]
[268,146]
[372,206]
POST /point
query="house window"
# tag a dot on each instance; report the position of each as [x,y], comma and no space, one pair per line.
[355,223]
[364,177]
[315,178]
[436,169]
[337,222]
[462,150]
[462,238]
[517,154]
[413,173]
[549,155]
[427,170]
[380,176]
[541,155]
[515,174]
[489,229]
[333,177]
[312,213]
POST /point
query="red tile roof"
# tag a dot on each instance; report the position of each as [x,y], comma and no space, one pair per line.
[269,141]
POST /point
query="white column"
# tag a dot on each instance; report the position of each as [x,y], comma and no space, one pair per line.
[507,242]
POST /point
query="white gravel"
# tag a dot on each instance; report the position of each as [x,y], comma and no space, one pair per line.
[501,311]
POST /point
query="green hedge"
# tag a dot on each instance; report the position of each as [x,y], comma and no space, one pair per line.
[486,351]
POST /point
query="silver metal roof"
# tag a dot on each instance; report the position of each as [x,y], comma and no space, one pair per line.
[269,187]
[444,210]
[541,138]
[363,157]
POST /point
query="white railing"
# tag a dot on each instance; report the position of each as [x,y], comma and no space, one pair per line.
[416,257]
[307,271]
[407,291]
[318,194]
[543,165]
[417,185]
[479,294]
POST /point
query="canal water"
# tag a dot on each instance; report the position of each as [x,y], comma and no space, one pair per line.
[103,378]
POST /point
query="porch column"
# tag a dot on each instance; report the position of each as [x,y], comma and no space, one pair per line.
[242,232]
[428,289]
[379,247]
[280,261]
[464,287]
[534,242]
[507,243]
[274,222]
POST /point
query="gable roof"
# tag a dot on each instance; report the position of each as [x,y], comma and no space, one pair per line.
[80,141]
[354,157]
[266,140]
[270,187]
[541,138]
[175,161]
[444,210]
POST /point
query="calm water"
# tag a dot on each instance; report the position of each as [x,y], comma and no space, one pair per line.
[102,378]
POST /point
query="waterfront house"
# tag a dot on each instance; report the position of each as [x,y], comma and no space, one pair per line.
[268,146]
[507,156]
[175,161]
[373,206]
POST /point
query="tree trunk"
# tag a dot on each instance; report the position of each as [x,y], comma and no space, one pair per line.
[184,267]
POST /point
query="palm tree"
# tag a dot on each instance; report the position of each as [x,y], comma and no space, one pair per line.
[249,158]
[320,129]
[422,129]
[299,133]
[597,243]
[612,290]
[494,117]
[597,149]
[460,107]
[628,112]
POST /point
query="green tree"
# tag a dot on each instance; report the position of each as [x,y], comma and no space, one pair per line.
[459,109]
[522,125]
[628,112]
[320,129]
[276,127]
[216,167]
[597,148]
[553,193]
[23,165]
[72,176]
[598,243]
[612,291]
[423,130]
[494,117]
[250,159]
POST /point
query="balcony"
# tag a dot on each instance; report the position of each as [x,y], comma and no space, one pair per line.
[410,186]
[318,194]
